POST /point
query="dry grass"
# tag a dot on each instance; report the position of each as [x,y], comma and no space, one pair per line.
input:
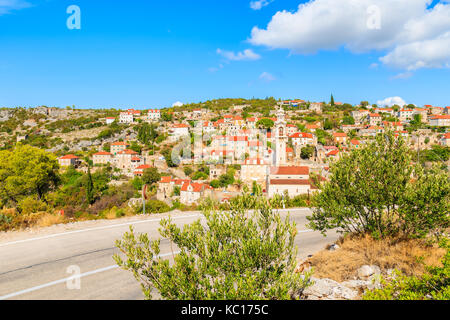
[48,219]
[408,256]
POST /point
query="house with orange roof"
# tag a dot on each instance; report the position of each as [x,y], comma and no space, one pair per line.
[302,139]
[139,171]
[153,115]
[294,180]
[119,146]
[374,119]
[102,157]
[439,120]
[110,120]
[254,169]
[191,192]
[178,131]
[445,140]
[69,160]
[340,137]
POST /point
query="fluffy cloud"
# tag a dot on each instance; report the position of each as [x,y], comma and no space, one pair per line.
[177,104]
[389,102]
[247,54]
[265,76]
[6,6]
[413,35]
[259,4]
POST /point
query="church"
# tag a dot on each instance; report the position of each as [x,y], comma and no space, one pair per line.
[281,177]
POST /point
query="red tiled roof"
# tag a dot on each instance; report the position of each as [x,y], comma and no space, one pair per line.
[440,117]
[120,143]
[135,159]
[355,142]
[290,182]
[69,156]
[166,179]
[332,153]
[128,151]
[180,125]
[197,187]
[144,166]
[447,135]
[102,153]
[302,135]
[294,170]
[289,150]
[339,134]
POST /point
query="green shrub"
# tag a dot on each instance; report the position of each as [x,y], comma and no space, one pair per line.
[31,205]
[237,254]
[379,190]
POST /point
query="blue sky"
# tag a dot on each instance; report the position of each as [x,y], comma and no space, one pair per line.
[147,54]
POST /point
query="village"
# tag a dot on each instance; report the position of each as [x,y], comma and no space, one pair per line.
[281,154]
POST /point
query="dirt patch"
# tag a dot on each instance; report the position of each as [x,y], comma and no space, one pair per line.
[408,256]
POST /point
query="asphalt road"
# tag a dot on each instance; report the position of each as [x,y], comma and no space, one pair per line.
[39,266]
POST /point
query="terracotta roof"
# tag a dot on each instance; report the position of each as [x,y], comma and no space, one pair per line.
[355,142]
[166,179]
[294,170]
[289,150]
[135,159]
[290,182]
[447,135]
[144,166]
[102,153]
[128,151]
[339,134]
[197,187]
[440,117]
[332,153]
[302,135]
[69,156]
[180,125]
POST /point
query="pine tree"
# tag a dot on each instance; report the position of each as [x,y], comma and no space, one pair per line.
[332,100]
[89,188]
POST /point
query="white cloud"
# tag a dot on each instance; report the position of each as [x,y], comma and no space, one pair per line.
[177,104]
[398,27]
[265,76]
[433,53]
[389,102]
[403,75]
[6,6]
[259,4]
[247,54]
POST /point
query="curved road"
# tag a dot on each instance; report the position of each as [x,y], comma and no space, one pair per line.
[39,266]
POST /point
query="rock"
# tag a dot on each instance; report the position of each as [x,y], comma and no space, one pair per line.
[327,289]
[366,271]
[320,287]
[356,284]
[342,292]
[333,247]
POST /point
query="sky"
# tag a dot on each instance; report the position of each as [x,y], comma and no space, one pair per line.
[152,54]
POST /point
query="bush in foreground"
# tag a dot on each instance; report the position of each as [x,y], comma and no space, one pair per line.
[239,254]
[379,190]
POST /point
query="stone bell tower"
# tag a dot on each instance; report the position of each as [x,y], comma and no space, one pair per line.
[281,138]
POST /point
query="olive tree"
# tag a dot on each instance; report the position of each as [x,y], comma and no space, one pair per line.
[378,189]
[237,254]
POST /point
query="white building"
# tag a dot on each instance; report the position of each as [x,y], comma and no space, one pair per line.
[153,115]
[293,180]
[440,121]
